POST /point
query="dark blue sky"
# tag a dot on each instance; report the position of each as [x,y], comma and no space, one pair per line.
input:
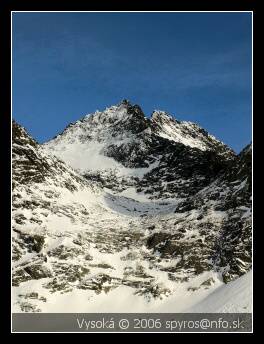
[196,66]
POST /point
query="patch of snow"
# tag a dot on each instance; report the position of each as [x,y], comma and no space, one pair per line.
[234,297]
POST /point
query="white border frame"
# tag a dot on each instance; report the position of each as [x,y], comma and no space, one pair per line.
[252,105]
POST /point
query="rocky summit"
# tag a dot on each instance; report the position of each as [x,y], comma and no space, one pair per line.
[123,212]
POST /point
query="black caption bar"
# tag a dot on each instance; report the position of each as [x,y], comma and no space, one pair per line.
[132,322]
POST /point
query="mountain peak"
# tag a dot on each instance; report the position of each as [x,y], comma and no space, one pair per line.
[21,136]
[122,132]
[125,102]
[116,113]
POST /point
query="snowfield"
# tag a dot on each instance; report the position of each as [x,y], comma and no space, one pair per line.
[236,297]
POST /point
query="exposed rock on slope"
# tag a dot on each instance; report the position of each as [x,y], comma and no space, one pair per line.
[160,155]
[152,205]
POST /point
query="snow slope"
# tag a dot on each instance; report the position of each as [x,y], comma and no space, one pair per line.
[187,133]
[235,297]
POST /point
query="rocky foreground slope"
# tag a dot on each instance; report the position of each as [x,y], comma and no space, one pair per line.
[121,206]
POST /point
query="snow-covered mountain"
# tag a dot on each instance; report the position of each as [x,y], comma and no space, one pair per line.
[121,207]
[157,155]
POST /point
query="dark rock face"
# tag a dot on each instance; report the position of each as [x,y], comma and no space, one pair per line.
[33,169]
[182,171]
[33,242]
[235,246]
[230,194]
[137,121]
[35,177]
[156,239]
[31,165]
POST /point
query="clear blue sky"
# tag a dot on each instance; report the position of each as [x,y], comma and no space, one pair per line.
[196,66]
